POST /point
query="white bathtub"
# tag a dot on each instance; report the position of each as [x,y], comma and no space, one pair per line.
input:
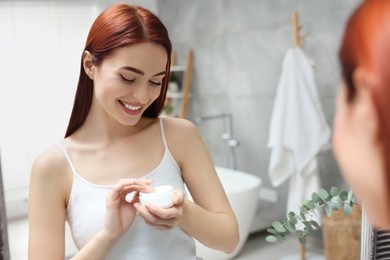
[242,190]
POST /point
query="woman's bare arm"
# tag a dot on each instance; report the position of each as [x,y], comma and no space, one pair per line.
[46,210]
[210,219]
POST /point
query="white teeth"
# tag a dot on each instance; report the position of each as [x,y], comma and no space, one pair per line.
[134,108]
[128,106]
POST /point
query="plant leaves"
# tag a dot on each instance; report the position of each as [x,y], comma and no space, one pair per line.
[347,209]
[310,204]
[272,231]
[343,195]
[350,195]
[334,191]
[303,209]
[337,203]
[291,215]
[294,220]
[316,199]
[328,210]
[324,195]
[308,226]
[314,224]
[314,196]
[278,227]
[290,226]
[330,201]
[271,239]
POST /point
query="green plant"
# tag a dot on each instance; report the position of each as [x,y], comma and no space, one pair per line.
[329,201]
[174,78]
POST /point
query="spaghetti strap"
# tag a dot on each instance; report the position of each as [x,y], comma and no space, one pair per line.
[68,158]
[163,133]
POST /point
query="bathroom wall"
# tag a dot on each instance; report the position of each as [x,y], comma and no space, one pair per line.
[238,49]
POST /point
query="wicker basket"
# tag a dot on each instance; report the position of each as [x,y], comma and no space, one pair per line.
[342,235]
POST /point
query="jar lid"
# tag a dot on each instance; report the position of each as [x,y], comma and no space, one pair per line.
[158,191]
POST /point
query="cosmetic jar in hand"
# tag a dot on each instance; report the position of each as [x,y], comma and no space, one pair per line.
[161,196]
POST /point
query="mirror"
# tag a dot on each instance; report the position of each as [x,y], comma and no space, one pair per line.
[4,248]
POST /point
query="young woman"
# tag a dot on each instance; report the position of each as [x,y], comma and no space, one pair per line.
[116,144]
[362,123]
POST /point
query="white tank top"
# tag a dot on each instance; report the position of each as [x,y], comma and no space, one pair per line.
[86,212]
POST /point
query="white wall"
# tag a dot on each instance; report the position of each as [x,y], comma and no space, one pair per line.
[40,50]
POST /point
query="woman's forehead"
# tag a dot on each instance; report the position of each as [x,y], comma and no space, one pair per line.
[142,55]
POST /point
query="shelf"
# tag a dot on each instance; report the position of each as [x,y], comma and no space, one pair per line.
[179,101]
[178,68]
[175,95]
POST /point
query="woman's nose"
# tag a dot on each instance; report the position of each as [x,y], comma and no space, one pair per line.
[141,93]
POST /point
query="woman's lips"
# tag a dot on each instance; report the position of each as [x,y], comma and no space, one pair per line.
[129,108]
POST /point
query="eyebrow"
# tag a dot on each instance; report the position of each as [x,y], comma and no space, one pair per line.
[140,71]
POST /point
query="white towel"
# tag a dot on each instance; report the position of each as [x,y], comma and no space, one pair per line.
[298,130]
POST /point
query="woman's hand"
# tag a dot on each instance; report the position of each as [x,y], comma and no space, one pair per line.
[120,214]
[161,218]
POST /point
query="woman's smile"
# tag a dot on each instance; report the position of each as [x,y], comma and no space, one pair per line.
[132,109]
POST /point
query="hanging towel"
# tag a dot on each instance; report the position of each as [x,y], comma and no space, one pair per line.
[298,130]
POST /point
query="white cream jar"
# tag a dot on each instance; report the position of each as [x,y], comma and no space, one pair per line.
[161,196]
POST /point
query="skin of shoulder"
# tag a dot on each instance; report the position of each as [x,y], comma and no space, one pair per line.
[48,195]
[179,128]
[49,168]
[179,132]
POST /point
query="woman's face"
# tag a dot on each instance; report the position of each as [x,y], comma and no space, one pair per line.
[359,157]
[129,81]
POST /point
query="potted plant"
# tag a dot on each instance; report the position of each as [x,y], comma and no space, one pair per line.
[342,213]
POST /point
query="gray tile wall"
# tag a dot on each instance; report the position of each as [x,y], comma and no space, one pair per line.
[238,50]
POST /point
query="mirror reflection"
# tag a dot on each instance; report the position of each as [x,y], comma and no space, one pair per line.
[255,82]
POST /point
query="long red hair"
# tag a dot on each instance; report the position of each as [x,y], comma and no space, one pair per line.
[117,26]
[366,44]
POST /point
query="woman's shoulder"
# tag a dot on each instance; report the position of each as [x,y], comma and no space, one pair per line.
[179,127]
[179,131]
[49,163]
[49,179]
[179,124]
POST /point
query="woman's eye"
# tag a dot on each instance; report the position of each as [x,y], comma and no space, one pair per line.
[156,83]
[126,79]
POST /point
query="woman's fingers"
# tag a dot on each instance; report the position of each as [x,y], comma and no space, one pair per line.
[125,186]
[178,197]
[158,217]
[156,221]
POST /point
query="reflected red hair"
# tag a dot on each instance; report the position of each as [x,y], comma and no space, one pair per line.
[118,26]
[366,44]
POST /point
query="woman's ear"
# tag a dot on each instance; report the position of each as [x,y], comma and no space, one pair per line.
[364,101]
[88,64]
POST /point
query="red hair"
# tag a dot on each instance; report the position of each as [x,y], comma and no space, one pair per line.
[366,44]
[118,26]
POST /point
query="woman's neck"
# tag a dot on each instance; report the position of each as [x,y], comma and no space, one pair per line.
[99,126]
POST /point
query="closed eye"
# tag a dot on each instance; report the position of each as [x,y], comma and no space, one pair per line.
[156,83]
[126,79]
